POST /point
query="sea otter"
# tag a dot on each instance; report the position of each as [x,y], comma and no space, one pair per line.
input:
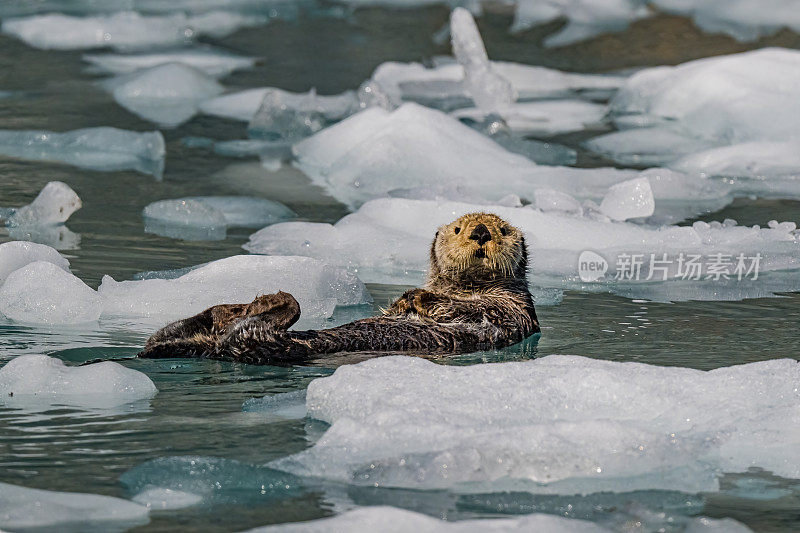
[476,298]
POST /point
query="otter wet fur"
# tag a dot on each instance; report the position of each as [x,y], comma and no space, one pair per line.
[476,298]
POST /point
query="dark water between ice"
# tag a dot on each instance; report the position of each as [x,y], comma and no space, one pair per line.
[198,410]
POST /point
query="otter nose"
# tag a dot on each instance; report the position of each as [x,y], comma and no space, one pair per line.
[481,234]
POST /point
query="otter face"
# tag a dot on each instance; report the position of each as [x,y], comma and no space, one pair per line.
[479,244]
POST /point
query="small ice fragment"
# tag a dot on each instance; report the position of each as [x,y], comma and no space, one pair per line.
[16,254]
[185,219]
[44,293]
[371,94]
[629,199]
[53,205]
[247,212]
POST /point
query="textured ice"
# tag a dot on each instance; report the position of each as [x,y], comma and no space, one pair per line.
[629,199]
[217,63]
[488,89]
[544,117]
[559,424]
[22,508]
[167,94]
[646,146]
[293,116]
[319,288]
[103,148]
[392,520]
[16,254]
[43,378]
[387,241]
[126,30]
[585,18]
[45,293]
[754,160]
[53,205]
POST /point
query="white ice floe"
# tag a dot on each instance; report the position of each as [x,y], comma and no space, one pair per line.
[47,379]
[387,241]
[126,30]
[754,160]
[585,18]
[106,149]
[559,424]
[213,62]
[244,105]
[168,94]
[392,520]
[294,116]
[629,199]
[16,254]
[54,204]
[646,146]
[45,293]
[22,508]
[543,117]
[319,288]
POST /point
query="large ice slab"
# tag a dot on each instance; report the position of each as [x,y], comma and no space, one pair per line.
[16,254]
[47,379]
[387,241]
[216,63]
[168,94]
[22,508]
[54,204]
[319,288]
[559,424]
[106,149]
[125,30]
[45,293]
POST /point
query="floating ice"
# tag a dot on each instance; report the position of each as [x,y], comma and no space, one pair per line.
[167,94]
[162,499]
[559,424]
[44,293]
[213,62]
[104,149]
[125,30]
[16,254]
[392,520]
[59,237]
[387,241]
[287,405]
[248,212]
[585,18]
[488,89]
[755,160]
[43,378]
[291,116]
[629,199]
[53,205]
[545,117]
[646,146]
[318,288]
[22,508]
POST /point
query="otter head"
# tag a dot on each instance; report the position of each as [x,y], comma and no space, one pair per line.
[479,248]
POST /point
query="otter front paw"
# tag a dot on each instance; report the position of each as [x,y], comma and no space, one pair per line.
[416,301]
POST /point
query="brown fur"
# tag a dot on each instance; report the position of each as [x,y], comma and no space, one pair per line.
[476,297]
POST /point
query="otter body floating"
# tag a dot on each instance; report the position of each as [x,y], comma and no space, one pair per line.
[476,298]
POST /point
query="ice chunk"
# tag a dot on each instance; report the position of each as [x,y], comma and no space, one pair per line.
[162,499]
[318,287]
[286,405]
[104,149]
[16,254]
[126,30]
[167,94]
[559,424]
[629,199]
[43,378]
[22,508]
[755,160]
[549,200]
[647,146]
[488,89]
[213,62]
[241,105]
[44,293]
[392,520]
[585,18]
[59,237]
[546,117]
[291,116]
[248,212]
[53,205]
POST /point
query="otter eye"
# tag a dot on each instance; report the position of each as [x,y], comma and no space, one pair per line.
[457,230]
[504,231]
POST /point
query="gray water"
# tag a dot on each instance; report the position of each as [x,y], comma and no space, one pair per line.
[198,410]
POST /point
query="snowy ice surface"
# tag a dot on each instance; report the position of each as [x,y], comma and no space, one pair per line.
[244,105]
[629,199]
[126,30]
[392,520]
[104,148]
[387,241]
[216,63]
[45,293]
[22,508]
[168,94]
[319,288]
[585,18]
[543,117]
[53,205]
[16,254]
[47,379]
[755,160]
[559,424]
